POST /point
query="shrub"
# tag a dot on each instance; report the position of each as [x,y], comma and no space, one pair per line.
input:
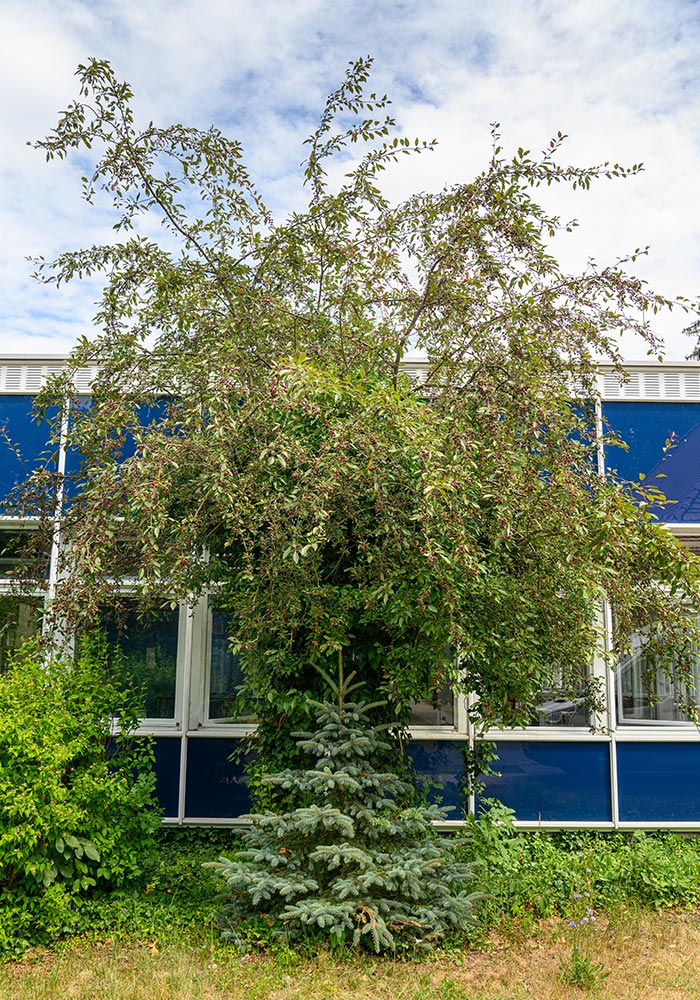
[361,864]
[77,811]
[536,874]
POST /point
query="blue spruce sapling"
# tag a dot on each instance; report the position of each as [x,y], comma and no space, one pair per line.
[361,864]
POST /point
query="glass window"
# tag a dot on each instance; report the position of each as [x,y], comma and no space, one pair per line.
[436,711]
[146,657]
[691,542]
[25,447]
[564,701]
[20,619]
[225,672]
[22,555]
[645,695]
[568,697]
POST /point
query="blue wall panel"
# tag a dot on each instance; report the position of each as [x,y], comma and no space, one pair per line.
[441,763]
[30,439]
[645,428]
[216,786]
[561,782]
[167,768]
[74,459]
[659,782]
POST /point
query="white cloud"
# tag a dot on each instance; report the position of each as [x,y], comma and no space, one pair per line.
[620,77]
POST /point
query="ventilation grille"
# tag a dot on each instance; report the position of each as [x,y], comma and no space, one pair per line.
[26,377]
[652,385]
[30,378]
[84,378]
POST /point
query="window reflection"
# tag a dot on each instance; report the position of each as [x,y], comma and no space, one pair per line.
[644,695]
[20,619]
[225,672]
[436,711]
[22,555]
[145,655]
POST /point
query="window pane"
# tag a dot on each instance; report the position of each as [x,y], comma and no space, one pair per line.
[436,711]
[20,619]
[563,702]
[567,699]
[147,657]
[22,555]
[645,697]
[225,672]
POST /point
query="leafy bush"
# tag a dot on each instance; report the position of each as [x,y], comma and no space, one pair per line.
[77,811]
[537,874]
[361,863]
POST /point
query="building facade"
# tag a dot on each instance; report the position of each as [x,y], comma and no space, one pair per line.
[637,765]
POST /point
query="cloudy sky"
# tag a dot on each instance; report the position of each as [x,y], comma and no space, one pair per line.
[620,77]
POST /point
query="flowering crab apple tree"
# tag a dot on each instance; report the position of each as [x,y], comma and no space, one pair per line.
[254,430]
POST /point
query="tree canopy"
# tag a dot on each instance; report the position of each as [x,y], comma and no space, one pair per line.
[258,427]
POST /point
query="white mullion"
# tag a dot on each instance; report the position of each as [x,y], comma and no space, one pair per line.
[57,533]
[184,688]
[198,661]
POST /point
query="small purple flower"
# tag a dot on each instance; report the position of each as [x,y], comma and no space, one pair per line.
[572,923]
[588,871]
[589,911]
[577,895]
[585,920]
[586,894]
[592,920]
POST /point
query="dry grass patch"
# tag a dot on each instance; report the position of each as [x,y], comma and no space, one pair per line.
[649,956]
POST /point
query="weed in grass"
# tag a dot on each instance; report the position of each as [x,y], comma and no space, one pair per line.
[579,968]
[657,958]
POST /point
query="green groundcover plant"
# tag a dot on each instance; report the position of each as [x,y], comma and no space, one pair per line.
[532,875]
[528,875]
[77,808]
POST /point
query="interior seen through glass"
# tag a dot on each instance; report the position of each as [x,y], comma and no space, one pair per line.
[562,704]
[20,619]
[225,673]
[18,558]
[643,698]
[146,657]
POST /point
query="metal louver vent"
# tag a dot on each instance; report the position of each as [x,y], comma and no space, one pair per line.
[33,379]
[644,383]
[658,385]
[633,387]
[84,378]
[25,378]
[652,384]
[29,377]
[672,386]
[692,384]
[612,387]
[11,379]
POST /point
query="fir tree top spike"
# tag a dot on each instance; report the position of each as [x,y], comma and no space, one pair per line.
[343,687]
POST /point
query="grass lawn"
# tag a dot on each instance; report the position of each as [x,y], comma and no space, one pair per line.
[156,939]
[647,955]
